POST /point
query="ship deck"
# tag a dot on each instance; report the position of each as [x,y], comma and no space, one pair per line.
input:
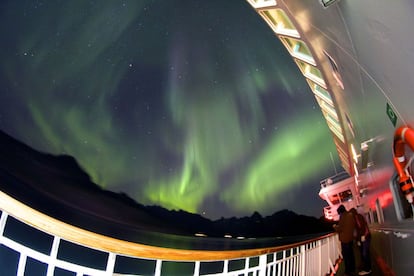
[376,270]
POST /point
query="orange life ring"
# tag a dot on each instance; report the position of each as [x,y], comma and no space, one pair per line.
[403,136]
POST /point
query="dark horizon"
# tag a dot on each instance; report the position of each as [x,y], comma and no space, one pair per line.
[58,187]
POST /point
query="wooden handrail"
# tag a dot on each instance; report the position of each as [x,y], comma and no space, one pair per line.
[90,239]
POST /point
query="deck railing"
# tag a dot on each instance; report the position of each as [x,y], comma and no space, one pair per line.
[68,250]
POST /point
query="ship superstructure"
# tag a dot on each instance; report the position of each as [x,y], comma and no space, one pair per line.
[357,58]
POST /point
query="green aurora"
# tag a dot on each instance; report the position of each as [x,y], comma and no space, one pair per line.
[184,104]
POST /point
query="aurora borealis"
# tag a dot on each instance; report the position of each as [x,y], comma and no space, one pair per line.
[187,104]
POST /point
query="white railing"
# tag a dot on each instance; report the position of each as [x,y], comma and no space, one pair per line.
[313,257]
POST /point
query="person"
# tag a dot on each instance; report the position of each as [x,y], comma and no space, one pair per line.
[345,229]
[363,240]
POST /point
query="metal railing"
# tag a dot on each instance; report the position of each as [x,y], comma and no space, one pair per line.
[118,257]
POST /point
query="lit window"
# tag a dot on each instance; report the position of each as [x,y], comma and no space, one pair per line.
[334,199]
[345,196]
[320,92]
[298,49]
[341,197]
[311,72]
[279,22]
[262,3]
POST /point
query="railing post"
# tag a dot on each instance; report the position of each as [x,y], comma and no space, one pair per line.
[158,268]
[262,265]
[226,266]
[3,220]
[22,264]
[110,264]
[196,268]
[53,256]
[246,265]
[320,257]
[303,260]
[329,241]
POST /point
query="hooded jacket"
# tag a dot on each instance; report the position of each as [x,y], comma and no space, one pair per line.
[346,227]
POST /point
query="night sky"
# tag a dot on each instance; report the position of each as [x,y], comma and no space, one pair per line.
[187,104]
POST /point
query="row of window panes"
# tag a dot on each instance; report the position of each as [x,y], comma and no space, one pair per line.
[283,26]
[328,110]
[299,49]
[331,117]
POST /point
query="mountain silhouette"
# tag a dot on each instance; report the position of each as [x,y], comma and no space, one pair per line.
[57,186]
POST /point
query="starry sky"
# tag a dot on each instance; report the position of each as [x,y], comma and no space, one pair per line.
[187,104]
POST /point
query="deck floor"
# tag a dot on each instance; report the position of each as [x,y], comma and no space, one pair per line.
[376,271]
